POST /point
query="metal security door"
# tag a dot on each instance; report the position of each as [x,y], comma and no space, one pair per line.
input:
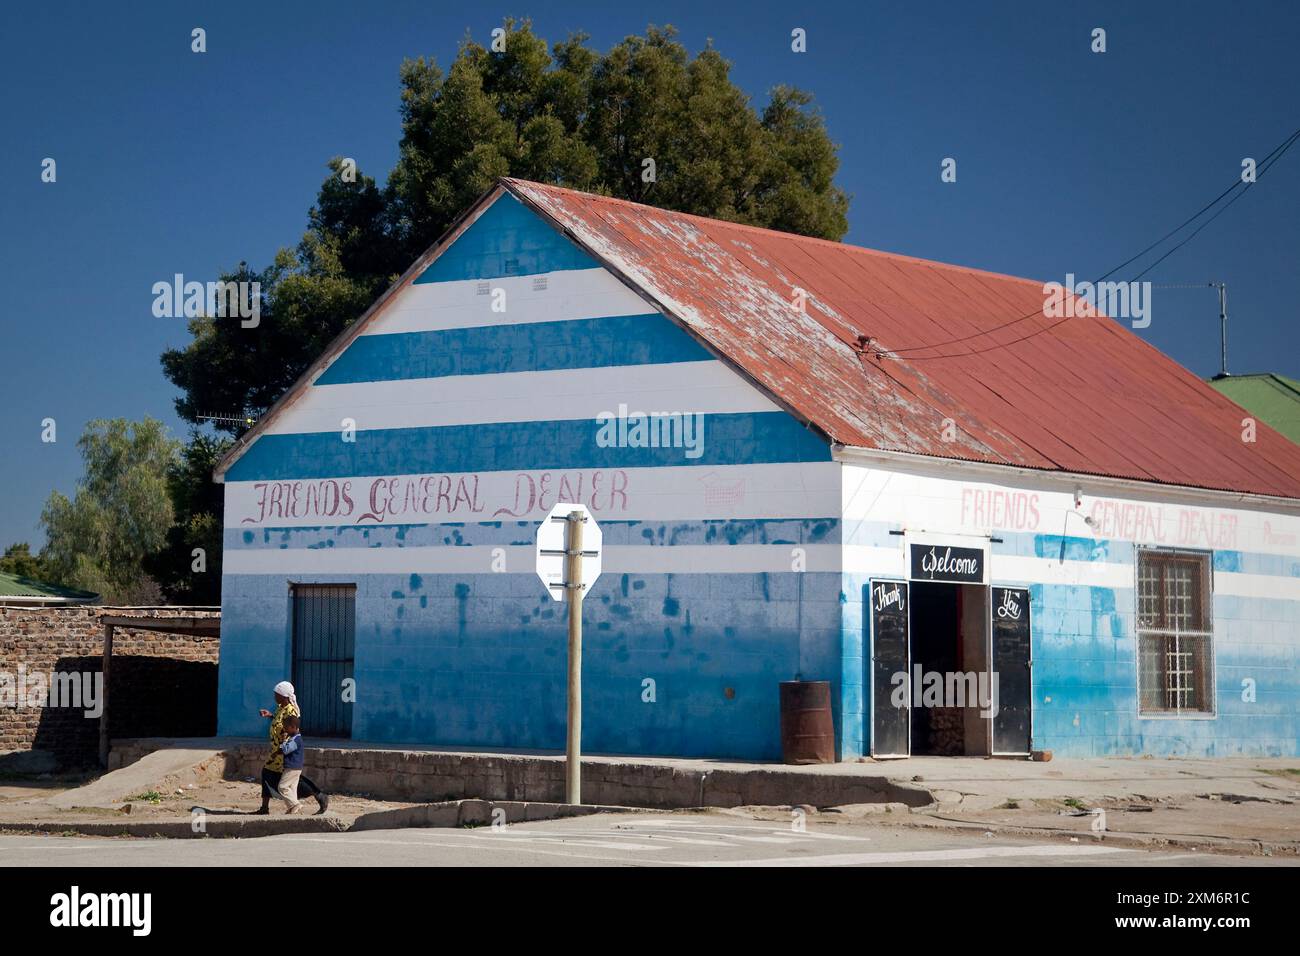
[1010,663]
[888,607]
[324,639]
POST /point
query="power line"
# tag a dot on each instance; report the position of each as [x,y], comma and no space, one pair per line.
[1275,154]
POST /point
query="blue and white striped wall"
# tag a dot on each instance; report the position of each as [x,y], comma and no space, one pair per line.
[720,574]
[1082,582]
[723,574]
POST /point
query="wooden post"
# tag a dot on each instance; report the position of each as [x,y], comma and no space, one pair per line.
[573,593]
[103,713]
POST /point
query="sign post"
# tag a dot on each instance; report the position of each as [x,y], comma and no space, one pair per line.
[568,562]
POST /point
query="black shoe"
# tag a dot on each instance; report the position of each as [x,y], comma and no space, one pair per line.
[324,800]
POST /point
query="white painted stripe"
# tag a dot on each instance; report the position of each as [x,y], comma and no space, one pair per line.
[918,856]
[451,841]
[881,561]
[1045,505]
[704,828]
[1275,587]
[1016,569]
[709,388]
[479,559]
[1007,568]
[571,294]
[1003,568]
[675,493]
[600,844]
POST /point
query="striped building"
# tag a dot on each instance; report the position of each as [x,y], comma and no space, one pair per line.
[808,461]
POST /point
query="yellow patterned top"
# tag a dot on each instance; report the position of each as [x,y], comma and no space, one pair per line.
[275,761]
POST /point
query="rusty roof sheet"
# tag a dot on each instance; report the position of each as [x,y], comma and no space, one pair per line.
[1087,396]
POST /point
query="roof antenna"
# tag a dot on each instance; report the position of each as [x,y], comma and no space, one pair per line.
[1223,318]
[1223,327]
[245,420]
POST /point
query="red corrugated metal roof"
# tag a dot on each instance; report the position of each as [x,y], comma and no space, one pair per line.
[1088,396]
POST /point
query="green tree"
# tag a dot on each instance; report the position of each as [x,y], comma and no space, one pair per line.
[19,561]
[188,565]
[120,513]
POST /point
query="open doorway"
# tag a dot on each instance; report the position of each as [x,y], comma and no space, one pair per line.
[931,685]
[949,652]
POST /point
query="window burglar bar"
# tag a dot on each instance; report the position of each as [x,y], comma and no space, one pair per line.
[1175,633]
[1178,668]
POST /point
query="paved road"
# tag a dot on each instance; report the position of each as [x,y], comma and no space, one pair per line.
[607,840]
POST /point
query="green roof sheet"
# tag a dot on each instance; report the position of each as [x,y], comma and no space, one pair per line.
[1273,399]
[12,586]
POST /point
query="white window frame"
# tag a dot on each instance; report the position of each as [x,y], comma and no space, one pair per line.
[1208,557]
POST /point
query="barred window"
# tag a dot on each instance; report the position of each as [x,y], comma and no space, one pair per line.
[1175,632]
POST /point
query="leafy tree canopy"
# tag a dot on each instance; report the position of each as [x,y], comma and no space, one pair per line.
[563,114]
[98,540]
[19,561]
[188,565]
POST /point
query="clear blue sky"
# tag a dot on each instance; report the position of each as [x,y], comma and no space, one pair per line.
[1068,161]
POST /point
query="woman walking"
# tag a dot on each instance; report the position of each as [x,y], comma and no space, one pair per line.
[286,703]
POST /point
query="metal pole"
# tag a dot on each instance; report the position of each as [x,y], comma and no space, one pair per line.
[573,588]
[103,712]
[1223,328]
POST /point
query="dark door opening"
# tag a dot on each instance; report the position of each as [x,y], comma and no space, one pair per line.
[949,655]
[324,642]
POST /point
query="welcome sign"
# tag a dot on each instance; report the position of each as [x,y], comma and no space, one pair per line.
[941,562]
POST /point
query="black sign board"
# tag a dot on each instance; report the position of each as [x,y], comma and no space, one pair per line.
[890,725]
[939,562]
[1011,665]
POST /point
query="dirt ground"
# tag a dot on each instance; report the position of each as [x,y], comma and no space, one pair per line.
[1242,811]
[19,801]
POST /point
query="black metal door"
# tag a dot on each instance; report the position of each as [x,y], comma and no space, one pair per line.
[1010,663]
[324,639]
[888,607]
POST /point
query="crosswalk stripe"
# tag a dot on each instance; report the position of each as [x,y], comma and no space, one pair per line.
[916,856]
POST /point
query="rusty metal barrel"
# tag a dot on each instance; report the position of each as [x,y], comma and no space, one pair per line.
[807,731]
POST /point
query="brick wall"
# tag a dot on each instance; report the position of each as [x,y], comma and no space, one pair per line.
[162,685]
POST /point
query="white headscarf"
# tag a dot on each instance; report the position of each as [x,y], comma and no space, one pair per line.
[285,689]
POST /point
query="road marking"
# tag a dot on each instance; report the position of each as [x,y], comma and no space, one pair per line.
[696,827]
[664,834]
[600,844]
[420,844]
[915,856]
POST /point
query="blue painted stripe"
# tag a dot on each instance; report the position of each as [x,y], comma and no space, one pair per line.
[648,339]
[710,531]
[1246,562]
[506,240]
[732,439]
